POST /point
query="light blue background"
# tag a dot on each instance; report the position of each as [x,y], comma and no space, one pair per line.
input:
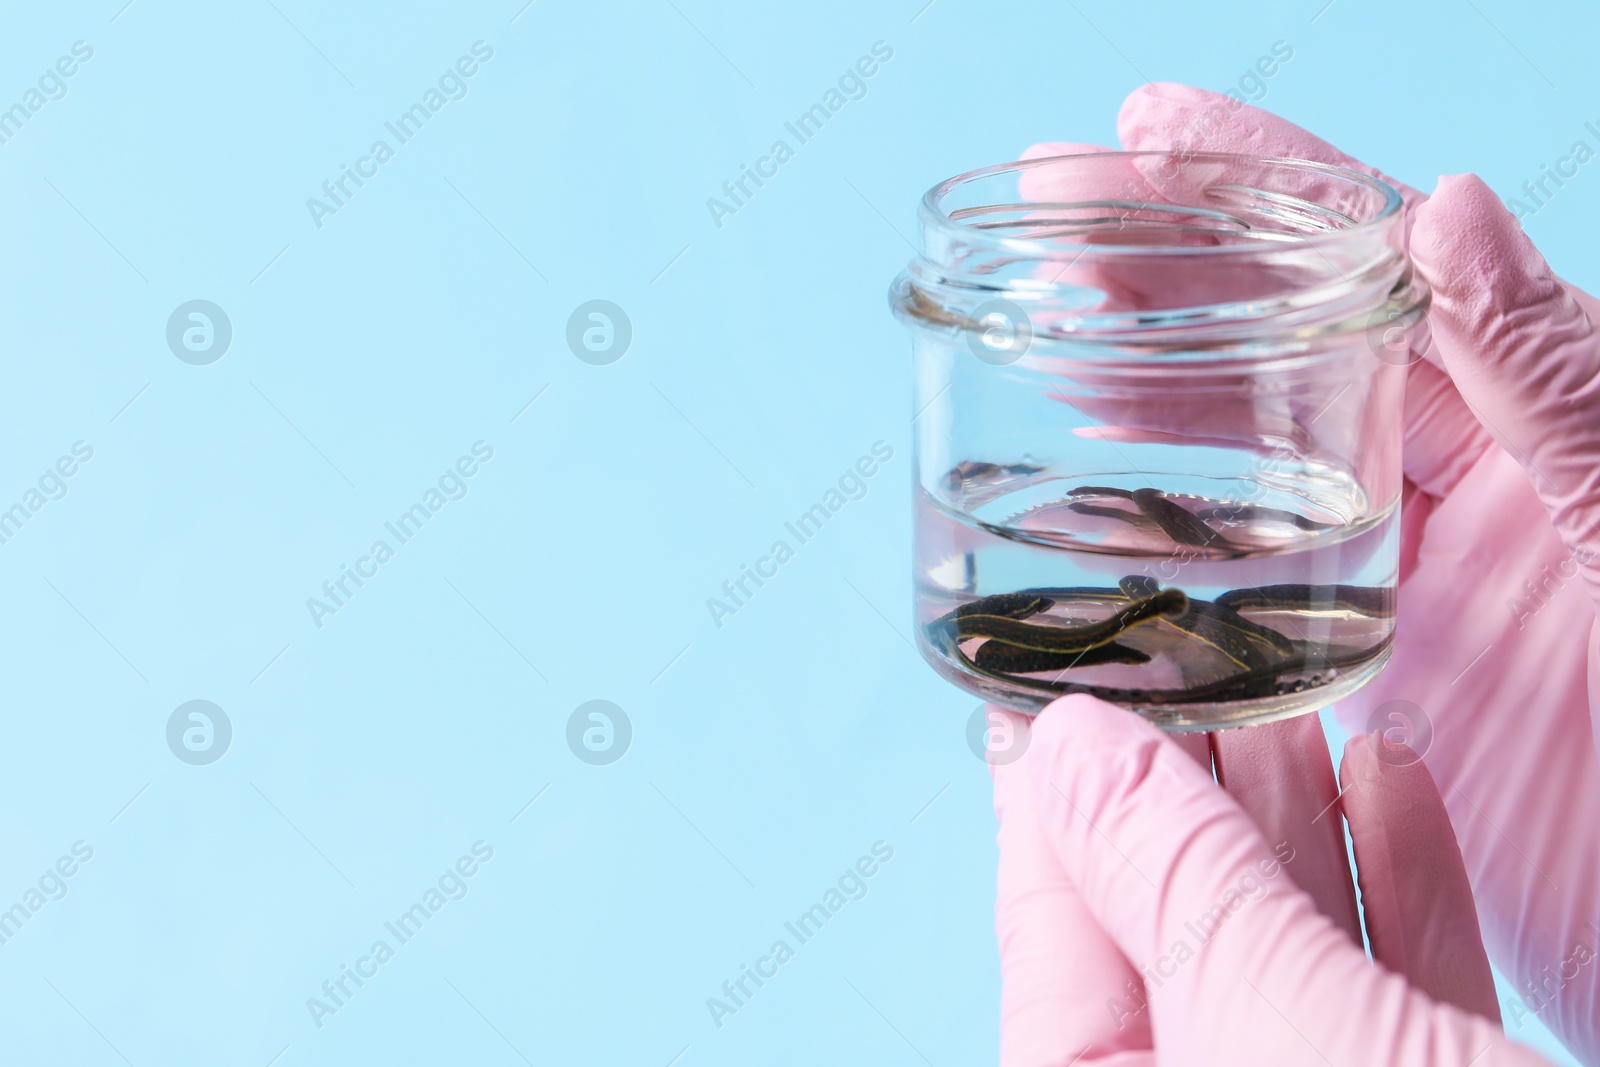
[370,353]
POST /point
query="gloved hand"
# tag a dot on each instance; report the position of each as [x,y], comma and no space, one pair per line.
[1494,673]
[1496,650]
[1143,918]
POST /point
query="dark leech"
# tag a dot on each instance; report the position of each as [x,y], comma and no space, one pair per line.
[1135,519]
[1052,648]
[1007,605]
[1244,685]
[1254,512]
[1012,631]
[1264,636]
[1104,512]
[1376,601]
[1244,643]
[980,473]
[1263,660]
[1074,592]
[997,656]
[1139,586]
[1179,523]
[1100,490]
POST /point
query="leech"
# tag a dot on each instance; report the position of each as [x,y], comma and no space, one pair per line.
[1179,523]
[1246,644]
[1100,490]
[1233,644]
[1070,646]
[1376,601]
[1071,592]
[1009,605]
[998,656]
[1020,634]
[1012,647]
[1245,512]
[1241,686]
[1102,512]
[1137,520]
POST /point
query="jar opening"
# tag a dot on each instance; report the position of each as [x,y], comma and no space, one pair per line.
[1166,251]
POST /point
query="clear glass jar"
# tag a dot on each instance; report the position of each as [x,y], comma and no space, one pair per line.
[1157,426]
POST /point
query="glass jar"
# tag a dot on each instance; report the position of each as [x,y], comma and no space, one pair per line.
[1157,430]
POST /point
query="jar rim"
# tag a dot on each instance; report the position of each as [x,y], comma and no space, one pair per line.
[936,220]
[1262,257]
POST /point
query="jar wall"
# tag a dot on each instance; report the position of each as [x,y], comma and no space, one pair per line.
[1192,512]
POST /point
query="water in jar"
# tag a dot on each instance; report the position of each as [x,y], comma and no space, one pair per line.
[1198,601]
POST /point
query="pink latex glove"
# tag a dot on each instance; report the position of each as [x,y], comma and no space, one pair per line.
[1144,919]
[1496,644]
[1490,568]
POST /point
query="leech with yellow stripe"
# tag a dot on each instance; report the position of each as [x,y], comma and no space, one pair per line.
[1013,647]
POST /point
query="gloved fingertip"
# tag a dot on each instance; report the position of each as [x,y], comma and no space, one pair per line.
[1099,756]
[1149,115]
[1074,724]
[1472,251]
[1370,756]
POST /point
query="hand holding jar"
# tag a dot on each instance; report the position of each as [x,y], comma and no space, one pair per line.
[1113,839]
